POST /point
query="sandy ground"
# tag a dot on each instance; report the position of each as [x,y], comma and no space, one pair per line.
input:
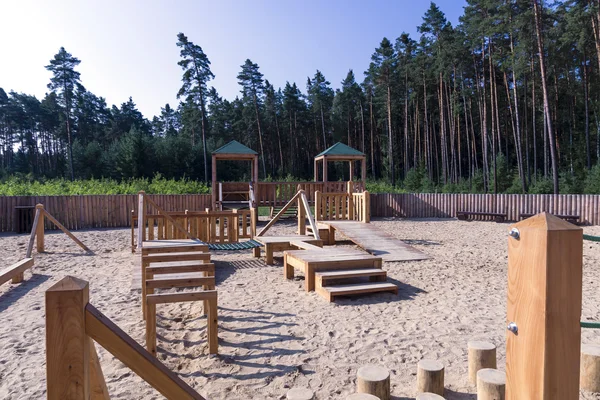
[273,335]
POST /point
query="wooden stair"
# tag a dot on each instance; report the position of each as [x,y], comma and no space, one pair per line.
[330,292]
[329,284]
[291,212]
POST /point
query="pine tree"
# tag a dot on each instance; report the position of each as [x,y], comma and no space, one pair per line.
[65,80]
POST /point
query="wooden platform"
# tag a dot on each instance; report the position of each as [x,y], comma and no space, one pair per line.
[375,241]
[173,246]
[281,243]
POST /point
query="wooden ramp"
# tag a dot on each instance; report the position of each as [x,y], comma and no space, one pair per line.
[376,242]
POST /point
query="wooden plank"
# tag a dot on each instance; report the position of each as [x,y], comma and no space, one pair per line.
[179,267]
[181,297]
[16,270]
[134,356]
[279,214]
[195,281]
[34,230]
[66,231]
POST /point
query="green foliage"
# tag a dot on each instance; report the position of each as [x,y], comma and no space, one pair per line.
[592,182]
[14,186]
[542,186]
[503,173]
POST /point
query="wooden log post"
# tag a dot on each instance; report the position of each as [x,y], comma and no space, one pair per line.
[301,218]
[67,344]
[590,368]
[362,396]
[430,377]
[39,229]
[375,380]
[545,257]
[366,207]
[481,355]
[300,394]
[318,206]
[141,219]
[491,384]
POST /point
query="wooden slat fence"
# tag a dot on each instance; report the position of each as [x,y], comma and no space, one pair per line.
[440,205]
[95,211]
[114,211]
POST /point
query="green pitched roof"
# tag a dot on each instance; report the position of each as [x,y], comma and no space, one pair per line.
[234,147]
[340,149]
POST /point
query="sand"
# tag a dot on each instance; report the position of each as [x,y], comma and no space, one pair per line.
[273,335]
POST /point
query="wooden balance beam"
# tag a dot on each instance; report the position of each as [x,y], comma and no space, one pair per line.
[16,271]
[210,300]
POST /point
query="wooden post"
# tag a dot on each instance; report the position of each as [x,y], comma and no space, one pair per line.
[374,380]
[141,219]
[325,172]
[213,189]
[491,384]
[545,259]
[430,377]
[301,218]
[316,170]
[317,206]
[481,355]
[40,229]
[590,367]
[150,325]
[366,207]
[67,344]
[253,220]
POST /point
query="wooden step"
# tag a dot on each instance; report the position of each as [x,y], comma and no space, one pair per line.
[179,267]
[329,292]
[323,277]
[170,257]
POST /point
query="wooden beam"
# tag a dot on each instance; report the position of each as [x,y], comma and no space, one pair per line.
[36,221]
[16,271]
[98,389]
[182,297]
[309,215]
[67,344]
[179,282]
[280,213]
[40,229]
[168,217]
[133,355]
[324,169]
[213,190]
[65,230]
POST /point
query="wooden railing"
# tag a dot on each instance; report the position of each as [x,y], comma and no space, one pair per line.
[73,369]
[208,226]
[342,206]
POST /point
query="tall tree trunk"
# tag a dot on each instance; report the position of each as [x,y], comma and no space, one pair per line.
[373,171]
[587,111]
[551,140]
[390,138]
[406,154]
[362,123]
[517,120]
[204,152]
[323,128]
[262,152]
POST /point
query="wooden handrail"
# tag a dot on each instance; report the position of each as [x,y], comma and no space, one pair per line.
[133,355]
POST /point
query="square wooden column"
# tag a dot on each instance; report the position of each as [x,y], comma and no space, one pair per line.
[324,169]
[213,190]
[544,309]
[316,170]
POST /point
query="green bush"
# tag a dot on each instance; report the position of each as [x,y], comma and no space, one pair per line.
[60,187]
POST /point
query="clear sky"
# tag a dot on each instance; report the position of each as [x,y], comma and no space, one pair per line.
[127,48]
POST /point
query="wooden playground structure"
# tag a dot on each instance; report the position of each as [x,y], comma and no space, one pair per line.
[16,272]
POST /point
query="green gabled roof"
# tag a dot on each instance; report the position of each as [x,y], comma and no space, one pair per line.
[234,147]
[340,149]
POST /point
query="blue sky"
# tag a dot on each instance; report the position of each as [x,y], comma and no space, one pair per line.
[127,48]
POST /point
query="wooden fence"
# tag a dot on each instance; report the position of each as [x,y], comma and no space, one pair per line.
[114,211]
[437,205]
[95,211]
